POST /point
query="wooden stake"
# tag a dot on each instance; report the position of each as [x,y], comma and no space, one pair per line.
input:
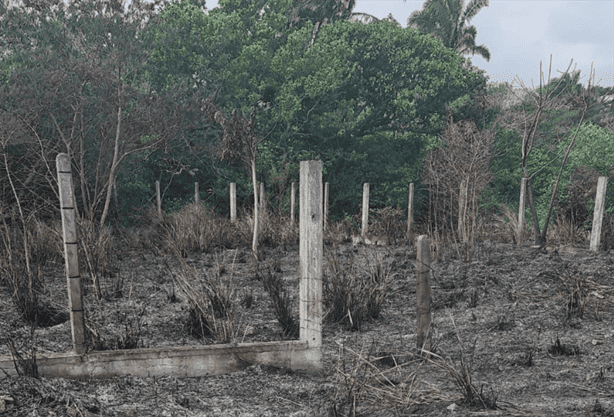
[410,210]
[196,193]
[602,185]
[311,253]
[423,293]
[71,250]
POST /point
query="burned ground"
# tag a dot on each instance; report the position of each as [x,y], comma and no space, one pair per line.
[532,329]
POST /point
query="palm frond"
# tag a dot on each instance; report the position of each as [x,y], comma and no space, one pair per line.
[473,8]
[364,18]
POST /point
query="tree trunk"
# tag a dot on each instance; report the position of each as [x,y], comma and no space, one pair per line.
[255,185]
[113,172]
[534,219]
[84,195]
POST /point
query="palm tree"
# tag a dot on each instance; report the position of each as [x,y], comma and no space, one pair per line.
[446,20]
[323,12]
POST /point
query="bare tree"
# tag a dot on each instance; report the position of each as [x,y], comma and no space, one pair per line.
[543,99]
[465,156]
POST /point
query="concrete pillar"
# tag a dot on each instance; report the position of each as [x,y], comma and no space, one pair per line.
[233,202]
[71,250]
[365,209]
[602,185]
[196,193]
[311,253]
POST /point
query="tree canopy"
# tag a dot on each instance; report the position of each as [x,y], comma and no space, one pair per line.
[354,84]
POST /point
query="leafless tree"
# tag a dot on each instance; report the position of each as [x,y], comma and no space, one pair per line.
[465,155]
[543,99]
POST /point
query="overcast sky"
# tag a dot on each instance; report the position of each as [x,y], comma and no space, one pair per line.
[520,33]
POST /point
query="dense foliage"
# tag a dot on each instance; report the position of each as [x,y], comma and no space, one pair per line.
[120,89]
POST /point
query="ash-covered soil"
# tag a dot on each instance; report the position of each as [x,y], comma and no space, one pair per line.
[533,329]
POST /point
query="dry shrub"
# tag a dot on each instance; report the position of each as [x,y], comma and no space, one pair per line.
[607,240]
[353,297]
[446,246]
[130,335]
[195,228]
[565,231]
[461,374]
[46,242]
[23,273]
[372,382]
[274,228]
[24,355]
[276,231]
[582,188]
[281,303]
[96,247]
[388,222]
[581,294]
[210,307]
[465,154]
[506,224]
[339,232]
[560,349]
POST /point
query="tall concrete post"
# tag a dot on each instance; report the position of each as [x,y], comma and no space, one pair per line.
[233,202]
[311,253]
[365,209]
[602,184]
[196,193]
[71,250]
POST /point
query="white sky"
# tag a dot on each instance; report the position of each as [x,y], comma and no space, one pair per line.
[520,33]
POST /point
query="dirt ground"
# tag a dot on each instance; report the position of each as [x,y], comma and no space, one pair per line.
[532,328]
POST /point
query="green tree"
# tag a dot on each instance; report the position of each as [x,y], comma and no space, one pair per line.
[356,92]
[449,21]
[75,84]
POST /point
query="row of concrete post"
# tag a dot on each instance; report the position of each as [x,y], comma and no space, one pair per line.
[365,203]
[311,222]
[313,213]
[462,205]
